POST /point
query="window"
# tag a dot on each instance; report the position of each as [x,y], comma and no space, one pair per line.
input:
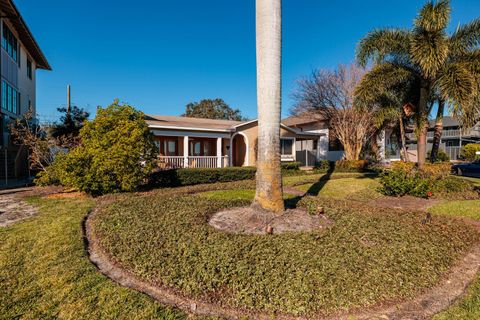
[29,68]
[9,43]
[286,146]
[171,148]
[452,143]
[10,98]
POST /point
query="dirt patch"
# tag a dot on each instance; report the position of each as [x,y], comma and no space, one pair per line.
[13,209]
[251,220]
[408,203]
[67,195]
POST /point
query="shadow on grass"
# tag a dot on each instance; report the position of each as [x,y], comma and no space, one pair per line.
[314,190]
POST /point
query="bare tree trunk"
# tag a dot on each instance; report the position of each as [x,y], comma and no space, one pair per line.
[422,127]
[269,52]
[402,138]
[437,135]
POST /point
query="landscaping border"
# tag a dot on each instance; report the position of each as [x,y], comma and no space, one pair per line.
[452,287]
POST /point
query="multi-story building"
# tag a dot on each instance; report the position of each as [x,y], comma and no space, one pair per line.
[453,137]
[20,57]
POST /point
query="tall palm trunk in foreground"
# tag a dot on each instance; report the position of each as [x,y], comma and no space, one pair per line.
[269,52]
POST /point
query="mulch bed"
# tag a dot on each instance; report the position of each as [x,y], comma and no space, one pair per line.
[251,220]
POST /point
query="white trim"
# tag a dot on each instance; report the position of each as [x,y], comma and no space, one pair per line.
[152,126]
[244,123]
[190,134]
[247,153]
[293,155]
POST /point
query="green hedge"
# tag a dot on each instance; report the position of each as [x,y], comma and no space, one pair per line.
[342,166]
[192,176]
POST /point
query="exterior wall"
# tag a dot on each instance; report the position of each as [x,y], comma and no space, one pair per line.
[251,132]
[323,151]
[15,73]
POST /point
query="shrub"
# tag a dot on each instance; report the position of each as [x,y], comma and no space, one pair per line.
[469,151]
[192,176]
[116,153]
[442,156]
[351,165]
[406,179]
[342,166]
[291,166]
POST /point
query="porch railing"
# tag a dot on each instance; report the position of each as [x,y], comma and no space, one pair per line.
[176,162]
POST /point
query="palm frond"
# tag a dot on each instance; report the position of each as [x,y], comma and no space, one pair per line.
[381,43]
[434,16]
[457,84]
[466,37]
[382,78]
[430,51]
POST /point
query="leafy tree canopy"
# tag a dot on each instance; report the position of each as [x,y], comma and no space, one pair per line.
[212,109]
[68,129]
[116,152]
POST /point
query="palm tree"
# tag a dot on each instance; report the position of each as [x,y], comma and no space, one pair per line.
[269,52]
[427,63]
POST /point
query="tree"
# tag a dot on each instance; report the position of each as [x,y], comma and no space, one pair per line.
[426,63]
[329,95]
[116,152]
[26,131]
[212,109]
[68,130]
[268,194]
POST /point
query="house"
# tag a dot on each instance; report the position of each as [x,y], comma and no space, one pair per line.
[452,137]
[327,147]
[20,57]
[205,143]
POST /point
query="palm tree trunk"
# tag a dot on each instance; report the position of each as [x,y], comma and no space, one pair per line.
[402,138]
[437,135]
[269,53]
[422,127]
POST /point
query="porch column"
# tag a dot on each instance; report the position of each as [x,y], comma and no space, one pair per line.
[219,152]
[185,152]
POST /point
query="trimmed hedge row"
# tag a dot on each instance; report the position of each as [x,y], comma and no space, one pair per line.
[343,166]
[192,176]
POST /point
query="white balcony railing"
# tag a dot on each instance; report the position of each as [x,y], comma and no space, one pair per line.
[175,162]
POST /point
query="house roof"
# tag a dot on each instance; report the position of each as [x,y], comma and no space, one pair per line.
[304,118]
[201,124]
[174,122]
[448,121]
[15,18]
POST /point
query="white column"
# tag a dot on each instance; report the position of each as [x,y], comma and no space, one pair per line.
[219,152]
[185,152]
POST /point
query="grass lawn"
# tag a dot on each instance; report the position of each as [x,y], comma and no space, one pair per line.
[352,188]
[367,256]
[45,272]
[239,194]
[468,307]
[460,208]
[476,181]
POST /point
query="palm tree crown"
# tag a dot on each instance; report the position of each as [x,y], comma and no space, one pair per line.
[427,64]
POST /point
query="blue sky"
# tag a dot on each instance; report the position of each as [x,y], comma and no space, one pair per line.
[160,55]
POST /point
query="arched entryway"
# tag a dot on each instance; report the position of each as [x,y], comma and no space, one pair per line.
[239,150]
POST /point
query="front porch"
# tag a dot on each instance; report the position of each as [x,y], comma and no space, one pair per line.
[192,152]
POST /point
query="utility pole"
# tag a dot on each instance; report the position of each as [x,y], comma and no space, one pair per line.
[68,101]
